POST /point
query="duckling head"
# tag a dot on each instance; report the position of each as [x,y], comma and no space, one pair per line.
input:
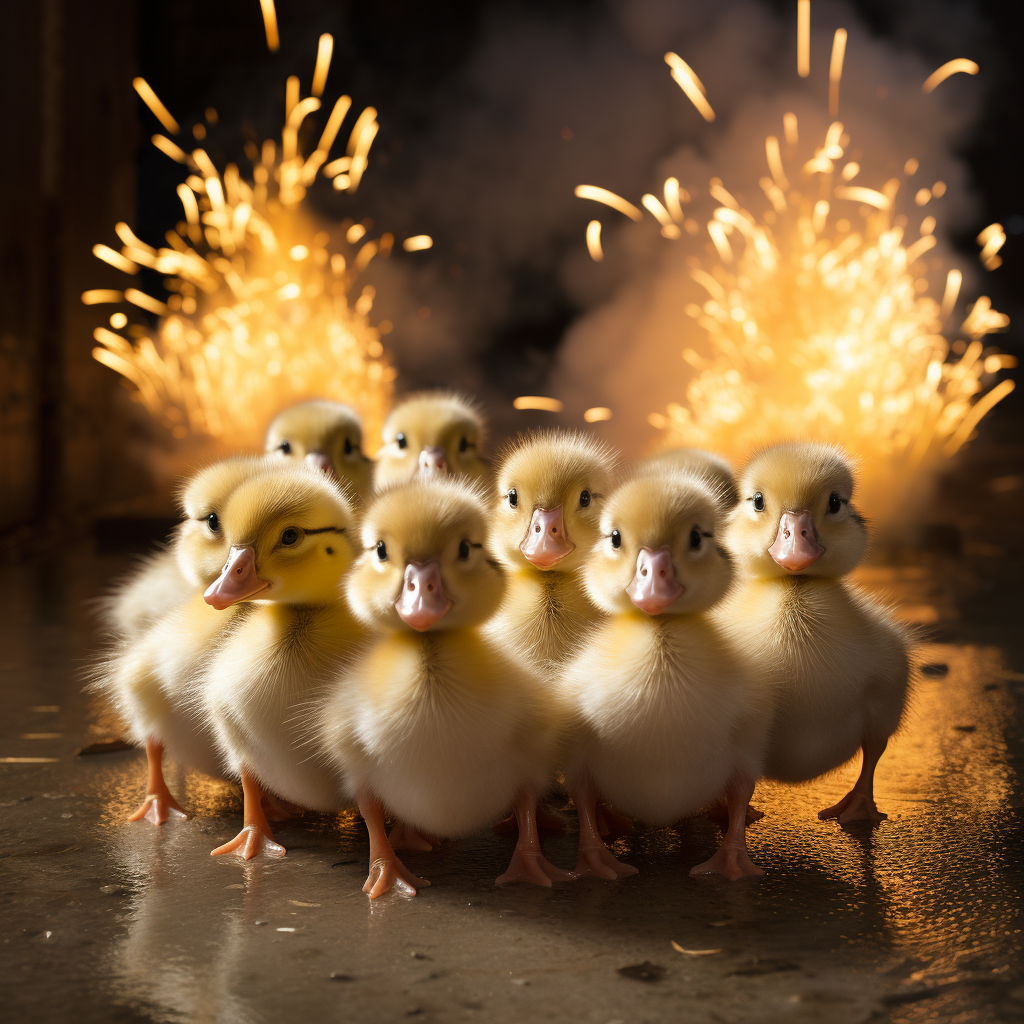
[200,544]
[709,465]
[328,436]
[795,516]
[434,433]
[551,488]
[425,564]
[287,534]
[658,551]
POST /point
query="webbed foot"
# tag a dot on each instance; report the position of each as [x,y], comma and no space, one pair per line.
[732,861]
[387,873]
[853,807]
[600,862]
[250,842]
[158,807]
[530,866]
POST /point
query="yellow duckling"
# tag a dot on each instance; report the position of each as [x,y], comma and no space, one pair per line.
[666,719]
[150,676]
[433,433]
[714,469]
[434,725]
[329,436]
[290,545]
[551,488]
[838,662]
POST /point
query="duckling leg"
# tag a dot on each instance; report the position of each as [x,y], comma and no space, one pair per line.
[386,870]
[278,809]
[611,825]
[732,859]
[159,804]
[595,860]
[405,837]
[255,837]
[528,862]
[548,822]
[859,803]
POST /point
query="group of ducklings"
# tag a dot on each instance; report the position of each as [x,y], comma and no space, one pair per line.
[440,643]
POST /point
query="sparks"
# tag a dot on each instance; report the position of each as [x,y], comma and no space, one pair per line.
[594,241]
[835,70]
[803,38]
[686,79]
[602,195]
[958,66]
[537,402]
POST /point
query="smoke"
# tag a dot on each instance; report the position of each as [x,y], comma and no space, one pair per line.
[509,302]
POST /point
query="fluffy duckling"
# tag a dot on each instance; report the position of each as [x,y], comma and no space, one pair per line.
[329,436]
[665,719]
[551,488]
[431,433]
[289,547]
[709,465]
[150,677]
[433,724]
[838,662]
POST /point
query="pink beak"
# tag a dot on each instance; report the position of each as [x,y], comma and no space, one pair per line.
[237,580]
[320,461]
[796,544]
[423,601]
[433,461]
[545,543]
[654,586]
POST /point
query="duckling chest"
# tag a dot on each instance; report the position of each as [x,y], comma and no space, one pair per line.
[546,617]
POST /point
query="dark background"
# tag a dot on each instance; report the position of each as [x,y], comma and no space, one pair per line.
[77,159]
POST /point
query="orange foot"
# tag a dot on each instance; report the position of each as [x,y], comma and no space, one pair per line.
[599,862]
[250,842]
[158,807]
[853,807]
[731,861]
[387,873]
[405,837]
[527,866]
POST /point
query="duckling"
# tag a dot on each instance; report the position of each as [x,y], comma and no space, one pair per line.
[432,433]
[329,436]
[665,718]
[289,545]
[838,662]
[433,724]
[712,467]
[551,488]
[149,677]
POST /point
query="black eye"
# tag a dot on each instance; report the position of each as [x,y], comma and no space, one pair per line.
[513,498]
[834,503]
[463,445]
[584,499]
[464,550]
[289,537]
[694,539]
[758,502]
[616,539]
[213,522]
[348,446]
[382,551]
[285,447]
[402,441]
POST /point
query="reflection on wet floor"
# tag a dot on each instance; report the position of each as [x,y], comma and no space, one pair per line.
[917,919]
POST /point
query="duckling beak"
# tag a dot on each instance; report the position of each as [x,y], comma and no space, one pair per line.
[433,461]
[654,586]
[237,580]
[318,460]
[423,601]
[545,543]
[796,544]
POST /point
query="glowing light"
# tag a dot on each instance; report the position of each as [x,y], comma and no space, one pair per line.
[771,148]
[789,125]
[594,241]
[953,281]
[951,67]
[537,402]
[803,38]
[598,414]
[270,25]
[115,259]
[991,240]
[602,195]
[674,197]
[685,78]
[323,64]
[118,320]
[150,98]
[868,196]
[653,204]
[835,70]
[165,145]
[417,242]
[97,295]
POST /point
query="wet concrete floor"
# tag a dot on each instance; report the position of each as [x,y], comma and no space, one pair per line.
[916,919]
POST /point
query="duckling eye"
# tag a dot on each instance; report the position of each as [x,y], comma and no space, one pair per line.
[348,446]
[616,539]
[834,503]
[584,498]
[382,551]
[694,539]
[402,440]
[285,447]
[464,550]
[213,522]
[758,502]
[463,445]
[513,498]
[289,537]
